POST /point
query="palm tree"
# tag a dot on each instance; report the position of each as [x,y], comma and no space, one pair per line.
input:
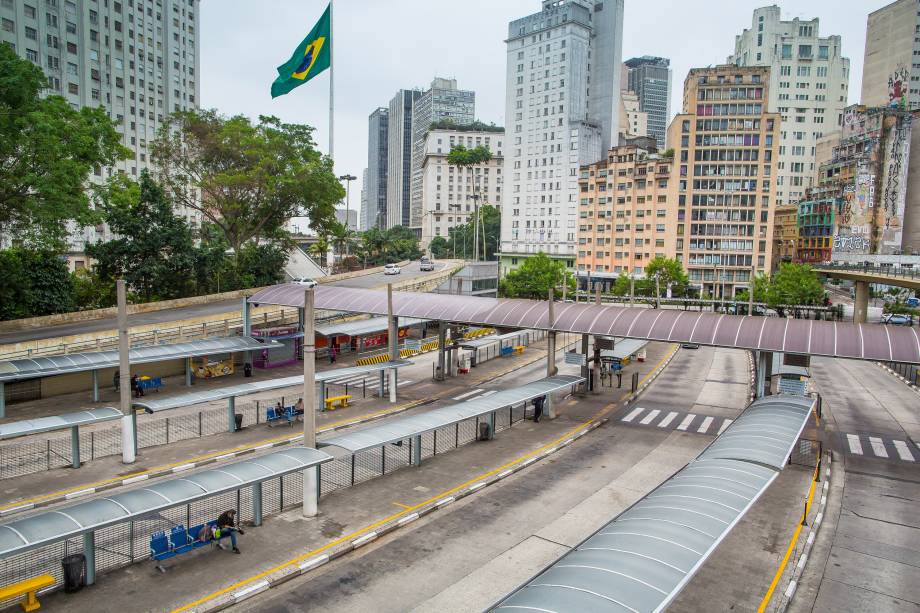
[461,157]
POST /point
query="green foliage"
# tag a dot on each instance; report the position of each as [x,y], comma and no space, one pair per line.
[668,153]
[462,157]
[33,283]
[252,177]
[476,126]
[534,278]
[793,284]
[439,248]
[47,150]
[91,292]
[621,285]
[461,237]
[669,272]
[394,244]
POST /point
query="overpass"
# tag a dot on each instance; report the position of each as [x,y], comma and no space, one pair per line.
[862,276]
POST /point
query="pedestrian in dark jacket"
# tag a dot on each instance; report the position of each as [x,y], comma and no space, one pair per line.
[136,386]
[226,523]
[538,408]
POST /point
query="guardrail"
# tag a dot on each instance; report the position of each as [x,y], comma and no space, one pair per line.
[888,271]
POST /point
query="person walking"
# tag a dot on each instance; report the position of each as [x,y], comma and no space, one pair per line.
[136,386]
[538,408]
[332,353]
[226,523]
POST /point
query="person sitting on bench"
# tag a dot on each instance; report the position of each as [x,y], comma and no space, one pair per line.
[226,523]
[298,408]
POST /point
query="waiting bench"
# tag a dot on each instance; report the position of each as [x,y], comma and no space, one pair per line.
[287,414]
[179,541]
[342,401]
[28,588]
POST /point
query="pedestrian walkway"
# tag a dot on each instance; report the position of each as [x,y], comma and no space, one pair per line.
[674,420]
[879,446]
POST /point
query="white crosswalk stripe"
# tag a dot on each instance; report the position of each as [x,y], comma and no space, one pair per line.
[903,451]
[405,382]
[855,445]
[686,423]
[648,418]
[725,423]
[705,425]
[632,415]
[667,420]
[489,393]
[470,393]
[878,447]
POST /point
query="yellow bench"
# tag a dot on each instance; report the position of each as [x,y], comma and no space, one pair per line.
[519,349]
[27,588]
[341,400]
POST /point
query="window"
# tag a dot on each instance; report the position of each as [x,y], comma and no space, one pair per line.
[71,27]
[805,51]
[31,33]
[787,52]
[822,52]
[72,88]
[72,48]
[32,55]
[51,20]
[29,11]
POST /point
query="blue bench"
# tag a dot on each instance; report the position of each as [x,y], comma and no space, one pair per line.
[178,541]
[288,414]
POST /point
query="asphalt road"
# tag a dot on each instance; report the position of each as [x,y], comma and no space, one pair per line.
[191,312]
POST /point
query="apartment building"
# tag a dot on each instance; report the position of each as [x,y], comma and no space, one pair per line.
[627,213]
[725,145]
[891,65]
[785,234]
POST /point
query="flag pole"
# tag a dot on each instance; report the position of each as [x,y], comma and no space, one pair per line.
[331,81]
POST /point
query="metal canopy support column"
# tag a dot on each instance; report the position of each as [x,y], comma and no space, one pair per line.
[322,395]
[257,504]
[75,446]
[759,373]
[129,421]
[95,385]
[381,376]
[231,413]
[247,326]
[311,475]
[89,551]
[2,399]
[188,372]
[585,367]
[549,407]
[492,420]
[768,372]
[417,450]
[442,341]
[393,340]
[551,340]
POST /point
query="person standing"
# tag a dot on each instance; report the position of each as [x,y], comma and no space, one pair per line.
[226,523]
[538,408]
[332,353]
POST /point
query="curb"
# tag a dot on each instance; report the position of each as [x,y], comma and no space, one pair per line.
[898,376]
[816,524]
[651,377]
[752,366]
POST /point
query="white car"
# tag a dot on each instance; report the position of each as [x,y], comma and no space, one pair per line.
[305,281]
[391,269]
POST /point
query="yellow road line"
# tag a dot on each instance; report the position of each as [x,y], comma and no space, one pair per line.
[407,510]
[792,542]
[399,504]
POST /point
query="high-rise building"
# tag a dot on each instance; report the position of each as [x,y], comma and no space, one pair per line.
[891,70]
[627,213]
[650,78]
[399,157]
[362,217]
[562,111]
[139,60]
[442,102]
[808,88]
[378,142]
[725,150]
[633,122]
[449,194]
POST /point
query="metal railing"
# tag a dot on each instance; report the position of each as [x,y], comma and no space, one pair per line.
[873,269]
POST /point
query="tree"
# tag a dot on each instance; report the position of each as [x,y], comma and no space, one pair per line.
[461,237]
[670,272]
[154,251]
[47,149]
[534,278]
[794,284]
[439,247]
[461,157]
[33,283]
[394,244]
[253,178]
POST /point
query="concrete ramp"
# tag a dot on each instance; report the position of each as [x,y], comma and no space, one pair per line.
[300,264]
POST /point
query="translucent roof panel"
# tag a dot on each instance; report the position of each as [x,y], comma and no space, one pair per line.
[623,347]
[75,519]
[490,340]
[364,326]
[58,422]
[153,405]
[397,429]
[30,368]
[838,339]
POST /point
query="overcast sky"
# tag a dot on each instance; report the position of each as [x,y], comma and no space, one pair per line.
[384,45]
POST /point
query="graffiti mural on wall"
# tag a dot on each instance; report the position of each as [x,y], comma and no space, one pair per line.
[894,186]
[854,226]
[897,88]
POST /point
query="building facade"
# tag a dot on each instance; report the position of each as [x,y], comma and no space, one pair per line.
[891,70]
[627,213]
[633,122]
[650,78]
[137,59]
[362,216]
[725,156]
[808,88]
[562,111]
[399,157]
[449,194]
[378,143]
[785,235]
[442,102]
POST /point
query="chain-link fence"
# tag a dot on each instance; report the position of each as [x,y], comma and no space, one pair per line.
[806,452]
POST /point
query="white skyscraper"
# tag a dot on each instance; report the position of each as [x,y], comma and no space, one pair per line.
[808,88]
[562,111]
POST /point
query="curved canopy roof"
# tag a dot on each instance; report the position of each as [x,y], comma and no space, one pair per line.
[803,336]
[76,519]
[393,430]
[643,558]
[30,368]
[153,405]
[58,422]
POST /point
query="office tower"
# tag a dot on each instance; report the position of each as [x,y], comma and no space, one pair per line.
[650,78]
[725,150]
[890,66]
[808,88]
[562,111]
[378,142]
[399,157]
[363,217]
[444,103]
[139,60]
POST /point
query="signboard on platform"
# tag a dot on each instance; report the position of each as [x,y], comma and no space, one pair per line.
[579,359]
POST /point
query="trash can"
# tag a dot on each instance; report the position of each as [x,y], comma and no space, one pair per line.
[238,418]
[485,431]
[247,369]
[74,572]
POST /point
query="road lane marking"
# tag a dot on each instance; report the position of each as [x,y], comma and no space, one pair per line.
[648,418]
[632,415]
[489,393]
[462,396]
[705,425]
[878,447]
[667,420]
[855,445]
[724,425]
[903,450]
[405,382]
[686,423]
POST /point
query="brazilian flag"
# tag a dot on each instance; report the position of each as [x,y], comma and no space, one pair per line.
[311,57]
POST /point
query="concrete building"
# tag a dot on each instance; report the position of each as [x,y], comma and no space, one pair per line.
[378,143]
[633,122]
[562,111]
[399,157]
[363,214]
[449,194]
[139,60]
[785,235]
[627,213]
[650,78]
[442,102]
[340,214]
[891,70]
[808,88]
[725,150]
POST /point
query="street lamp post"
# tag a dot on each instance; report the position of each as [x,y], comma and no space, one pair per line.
[348,179]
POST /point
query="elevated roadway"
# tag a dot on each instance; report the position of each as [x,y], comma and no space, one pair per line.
[863,276]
